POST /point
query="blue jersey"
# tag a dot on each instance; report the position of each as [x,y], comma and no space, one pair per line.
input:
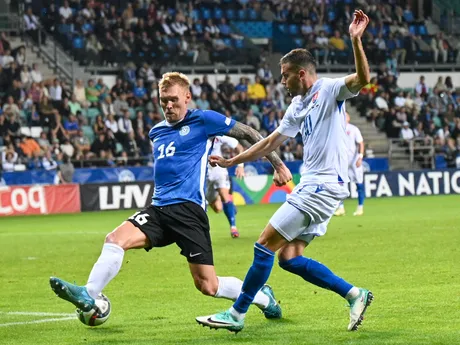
[181,153]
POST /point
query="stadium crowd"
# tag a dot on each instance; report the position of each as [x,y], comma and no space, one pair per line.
[202,32]
[44,122]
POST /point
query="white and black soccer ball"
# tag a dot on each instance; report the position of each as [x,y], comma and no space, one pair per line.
[98,315]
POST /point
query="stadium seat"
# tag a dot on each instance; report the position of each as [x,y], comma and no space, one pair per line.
[218,13]
[282,28]
[230,14]
[293,29]
[413,29]
[241,15]
[422,30]
[299,42]
[195,14]
[88,132]
[118,148]
[36,131]
[239,44]
[93,113]
[25,131]
[205,13]
[253,14]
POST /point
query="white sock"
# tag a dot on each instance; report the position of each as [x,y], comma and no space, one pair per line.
[353,293]
[360,207]
[230,288]
[105,269]
[237,315]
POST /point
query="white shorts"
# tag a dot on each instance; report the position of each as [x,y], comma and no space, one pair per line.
[217,178]
[308,210]
[355,174]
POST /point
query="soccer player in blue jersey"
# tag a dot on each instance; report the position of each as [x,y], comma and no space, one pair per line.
[181,146]
[317,112]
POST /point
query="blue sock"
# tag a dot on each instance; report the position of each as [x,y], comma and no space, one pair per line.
[229,210]
[316,273]
[361,193]
[256,278]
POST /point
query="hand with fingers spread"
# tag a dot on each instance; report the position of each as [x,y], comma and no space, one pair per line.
[239,172]
[359,24]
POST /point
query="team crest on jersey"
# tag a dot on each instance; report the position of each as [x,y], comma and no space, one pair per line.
[184,130]
[315,97]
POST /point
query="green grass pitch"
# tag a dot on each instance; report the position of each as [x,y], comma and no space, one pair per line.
[406,250]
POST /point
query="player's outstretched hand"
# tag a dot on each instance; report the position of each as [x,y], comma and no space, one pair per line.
[219,161]
[359,24]
[282,176]
[239,172]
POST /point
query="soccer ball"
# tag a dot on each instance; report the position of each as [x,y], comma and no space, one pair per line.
[98,315]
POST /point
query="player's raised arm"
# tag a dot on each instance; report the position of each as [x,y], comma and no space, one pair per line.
[355,82]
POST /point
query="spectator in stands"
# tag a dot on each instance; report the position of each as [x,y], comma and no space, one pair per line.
[202,102]
[21,57]
[71,126]
[421,88]
[36,75]
[287,155]
[8,162]
[48,163]
[67,148]
[32,26]
[93,50]
[265,74]
[112,124]
[256,91]
[125,127]
[451,153]
[92,93]
[34,162]
[406,133]
[66,170]
[7,59]
[56,93]
[438,45]
[65,12]
[251,120]
[10,108]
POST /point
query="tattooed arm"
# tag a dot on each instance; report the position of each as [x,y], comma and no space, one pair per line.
[261,147]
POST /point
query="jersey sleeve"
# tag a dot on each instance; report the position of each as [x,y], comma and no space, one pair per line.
[339,89]
[216,124]
[232,142]
[289,125]
[358,137]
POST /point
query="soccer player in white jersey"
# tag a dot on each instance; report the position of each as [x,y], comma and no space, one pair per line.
[317,112]
[355,166]
[218,183]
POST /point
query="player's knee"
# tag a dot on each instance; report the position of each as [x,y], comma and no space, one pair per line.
[206,287]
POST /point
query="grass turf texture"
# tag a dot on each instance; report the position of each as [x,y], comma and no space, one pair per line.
[404,249]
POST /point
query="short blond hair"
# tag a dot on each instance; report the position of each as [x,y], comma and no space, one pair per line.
[174,78]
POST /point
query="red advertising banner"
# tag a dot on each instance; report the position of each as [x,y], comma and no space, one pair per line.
[25,200]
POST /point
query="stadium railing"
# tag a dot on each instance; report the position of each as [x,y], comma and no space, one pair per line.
[420,150]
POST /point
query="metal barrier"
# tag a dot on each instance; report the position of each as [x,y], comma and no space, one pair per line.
[417,150]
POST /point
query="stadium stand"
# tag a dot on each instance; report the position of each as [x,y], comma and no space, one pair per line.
[44,120]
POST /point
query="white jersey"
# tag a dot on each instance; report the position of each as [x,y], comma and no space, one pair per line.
[320,118]
[354,138]
[219,141]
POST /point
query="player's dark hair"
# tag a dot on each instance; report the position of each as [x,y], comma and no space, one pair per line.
[300,58]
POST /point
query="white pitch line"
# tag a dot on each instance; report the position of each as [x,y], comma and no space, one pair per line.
[49,233]
[37,321]
[34,313]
